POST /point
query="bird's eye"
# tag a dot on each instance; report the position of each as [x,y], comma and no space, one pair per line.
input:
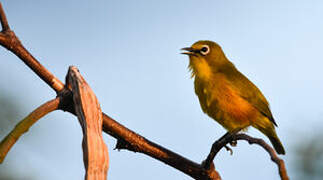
[205,50]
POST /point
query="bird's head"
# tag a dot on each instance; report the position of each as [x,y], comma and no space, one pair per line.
[205,58]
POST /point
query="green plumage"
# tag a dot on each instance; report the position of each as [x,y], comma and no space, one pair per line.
[248,90]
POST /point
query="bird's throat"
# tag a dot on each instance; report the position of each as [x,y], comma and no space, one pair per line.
[200,69]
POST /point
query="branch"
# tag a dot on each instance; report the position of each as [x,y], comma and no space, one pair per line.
[280,163]
[23,126]
[10,41]
[216,147]
[3,19]
[229,137]
[132,141]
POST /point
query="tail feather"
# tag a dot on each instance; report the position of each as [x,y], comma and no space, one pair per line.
[267,127]
[277,144]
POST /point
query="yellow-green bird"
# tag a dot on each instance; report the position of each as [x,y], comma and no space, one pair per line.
[226,95]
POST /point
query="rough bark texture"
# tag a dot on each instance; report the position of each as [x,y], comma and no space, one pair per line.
[88,111]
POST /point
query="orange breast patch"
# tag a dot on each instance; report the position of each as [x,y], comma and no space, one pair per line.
[237,112]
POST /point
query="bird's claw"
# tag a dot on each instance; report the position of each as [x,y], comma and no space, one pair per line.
[228,149]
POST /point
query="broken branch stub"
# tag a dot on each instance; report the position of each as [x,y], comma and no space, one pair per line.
[88,111]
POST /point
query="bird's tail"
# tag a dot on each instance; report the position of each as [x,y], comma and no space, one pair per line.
[268,129]
[276,143]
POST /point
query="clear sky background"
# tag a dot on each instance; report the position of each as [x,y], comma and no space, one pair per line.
[129,52]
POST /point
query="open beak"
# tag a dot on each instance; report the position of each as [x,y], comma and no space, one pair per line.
[189,51]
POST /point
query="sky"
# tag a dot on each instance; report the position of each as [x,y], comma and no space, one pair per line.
[129,53]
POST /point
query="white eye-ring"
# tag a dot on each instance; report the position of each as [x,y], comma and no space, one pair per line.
[205,50]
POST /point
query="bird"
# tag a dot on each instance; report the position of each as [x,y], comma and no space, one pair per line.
[226,95]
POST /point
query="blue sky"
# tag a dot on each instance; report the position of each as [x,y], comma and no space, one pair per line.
[129,52]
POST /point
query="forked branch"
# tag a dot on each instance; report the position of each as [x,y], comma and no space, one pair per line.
[110,126]
[230,137]
[10,41]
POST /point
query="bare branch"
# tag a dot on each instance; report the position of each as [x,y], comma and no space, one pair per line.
[10,41]
[132,141]
[280,163]
[23,126]
[3,19]
[229,137]
[216,147]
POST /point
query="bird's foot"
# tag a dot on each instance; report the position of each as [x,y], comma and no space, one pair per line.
[233,144]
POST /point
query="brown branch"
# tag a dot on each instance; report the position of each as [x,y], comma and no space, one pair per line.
[280,163]
[23,126]
[216,147]
[132,141]
[229,137]
[88,110]
[10,41]
[3,19]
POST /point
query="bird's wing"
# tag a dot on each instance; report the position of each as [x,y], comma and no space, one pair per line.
[248,91]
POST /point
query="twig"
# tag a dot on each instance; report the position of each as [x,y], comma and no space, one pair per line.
[228,138]
[10,41]
[3,19]
[23,126]
[280,163]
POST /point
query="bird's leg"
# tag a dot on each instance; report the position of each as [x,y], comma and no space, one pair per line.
[216,147]
[234,143]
